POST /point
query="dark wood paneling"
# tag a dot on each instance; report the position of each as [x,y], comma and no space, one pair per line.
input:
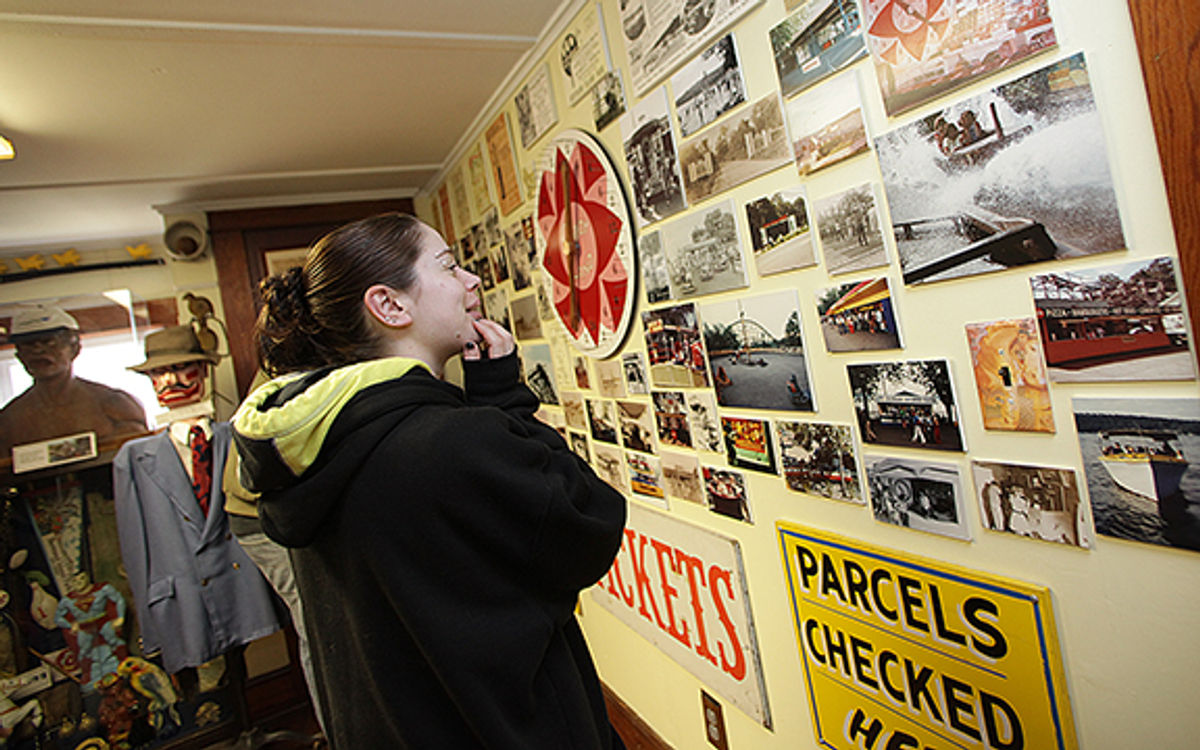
[635,733]
[1168,40]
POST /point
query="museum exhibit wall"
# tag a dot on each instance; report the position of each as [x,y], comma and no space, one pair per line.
[1118,612]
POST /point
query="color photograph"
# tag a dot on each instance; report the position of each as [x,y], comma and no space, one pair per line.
[756,352]
[602,420]
[908,404]
[681,476]
[818,458]
[826,124]
[747,144]
[819,39]
[636,380]
[858,317]
[704,252]
[650,152]
[1013,176]
[1137,459]
[725,491]
[1113,323]
[539,373]
[1039,502]
[703,419]
[708,86]
[645,478]
[670,416]
[1006,357]
[850,230]
[923,49]
[635,419]
[748,444]
[674,347]
[781,238]
[921,495]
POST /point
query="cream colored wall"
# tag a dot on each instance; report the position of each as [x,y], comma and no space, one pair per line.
[1126,612]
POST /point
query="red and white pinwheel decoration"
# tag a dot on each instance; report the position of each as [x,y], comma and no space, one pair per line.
[912,27]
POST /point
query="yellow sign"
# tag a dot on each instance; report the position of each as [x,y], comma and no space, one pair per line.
[906,653]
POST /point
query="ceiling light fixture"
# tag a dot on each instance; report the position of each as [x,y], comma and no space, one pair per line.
[6,149]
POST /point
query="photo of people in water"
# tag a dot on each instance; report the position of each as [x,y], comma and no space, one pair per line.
[1016,175]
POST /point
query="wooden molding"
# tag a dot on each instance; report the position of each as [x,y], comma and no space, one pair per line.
[635,733]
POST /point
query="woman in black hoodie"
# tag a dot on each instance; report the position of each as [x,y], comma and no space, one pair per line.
[440,535]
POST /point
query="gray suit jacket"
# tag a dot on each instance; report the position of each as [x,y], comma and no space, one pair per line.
[196,592]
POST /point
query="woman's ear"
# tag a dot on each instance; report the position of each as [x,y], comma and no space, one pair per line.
[387,306]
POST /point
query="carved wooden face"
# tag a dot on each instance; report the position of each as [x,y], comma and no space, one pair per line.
[46,356]
[180,384]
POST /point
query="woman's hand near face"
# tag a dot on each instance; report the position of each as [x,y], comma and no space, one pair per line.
[496,339]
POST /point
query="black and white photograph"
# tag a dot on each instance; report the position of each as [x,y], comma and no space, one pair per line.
[818,458]
[610,377]
[637,382]
[573,409]
[858,316]
[739,148]
[526,324]
[708,86]
[482,267]
[582,371]
[1039,502]
[495,304]
[849,227]
[1137,456]
[534,103]
[582,53]
[820,38]
[660,34]
[499,258]
[704,421]
[522,250]
[602,420]
[656,277]
[756,352]
[1113,323]
[671,419]
[579,444]
[645,478]
[922,495]
[653,161]
[609,463]
[781,238]
[635,421]
[608,100]
[1013,176]
[704,252]
[908,404]
[681,477]
[826,124]
[725,491]
[674,347]
[539,372]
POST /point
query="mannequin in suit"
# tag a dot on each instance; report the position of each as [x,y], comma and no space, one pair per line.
[196,592]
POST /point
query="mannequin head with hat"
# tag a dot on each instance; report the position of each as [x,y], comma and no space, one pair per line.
[47,341]
[177,365]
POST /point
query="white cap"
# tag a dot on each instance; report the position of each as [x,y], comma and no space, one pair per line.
[40,319]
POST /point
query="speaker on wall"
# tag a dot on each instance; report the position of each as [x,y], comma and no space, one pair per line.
[185,240]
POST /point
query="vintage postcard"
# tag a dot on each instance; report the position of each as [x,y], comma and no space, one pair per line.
[748,144]
[818,458]
[526,324]
[704,421]
[681,475]
[704,252]
[674,347]
[850,230]
[602,419]
[780,236]
[827,124]
[1137,455]
[579,445]
[610,377]
[637,382]
[816,41]
[756,352]
[925,48]
[725,491]
[635,420]
[670,416]
[1016,175]
[1113,323]
[909,403]
[573,409]
[608,100]
[656,276]
[921,495]
[708,86]
[522,252]
[609,463]
[645,478]
[534,103]
[651,154]
[1039,502]
[539,372]
[583,52]
[1006,357]
[495,304]
[858,316]
[504,165]
[748,443]
[481,197]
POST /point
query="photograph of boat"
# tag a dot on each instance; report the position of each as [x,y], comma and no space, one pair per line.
[1136,457]
[1015,175]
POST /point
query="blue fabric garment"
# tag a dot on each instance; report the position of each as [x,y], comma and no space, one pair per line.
[196,592]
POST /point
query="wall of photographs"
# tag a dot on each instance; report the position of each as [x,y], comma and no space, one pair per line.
[905,273]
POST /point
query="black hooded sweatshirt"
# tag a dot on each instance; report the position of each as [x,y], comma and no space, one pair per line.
[440,540]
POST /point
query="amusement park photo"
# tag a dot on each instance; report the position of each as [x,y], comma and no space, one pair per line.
[910,404]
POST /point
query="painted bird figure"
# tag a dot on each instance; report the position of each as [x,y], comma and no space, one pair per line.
[151,681]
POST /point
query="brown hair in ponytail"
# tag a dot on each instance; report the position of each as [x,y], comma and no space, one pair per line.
[314,316]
